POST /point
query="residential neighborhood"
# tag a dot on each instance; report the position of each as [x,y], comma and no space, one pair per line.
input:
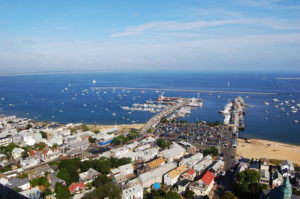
[41,160]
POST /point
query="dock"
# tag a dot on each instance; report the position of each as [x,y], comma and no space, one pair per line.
[185,90]
[155,120]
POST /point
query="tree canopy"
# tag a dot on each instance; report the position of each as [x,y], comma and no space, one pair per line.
[62,191]
[248,186]
[211,151]
[162,143]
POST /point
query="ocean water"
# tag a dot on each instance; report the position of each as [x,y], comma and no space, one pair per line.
[49,97]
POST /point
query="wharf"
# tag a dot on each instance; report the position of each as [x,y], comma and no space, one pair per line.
[185,90]
[155,120]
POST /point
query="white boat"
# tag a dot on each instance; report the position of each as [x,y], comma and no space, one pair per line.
[276,106]
[114,114]
[298,105]
[84,105]
[275,100]
[94,82]
[267,103]
[296,121]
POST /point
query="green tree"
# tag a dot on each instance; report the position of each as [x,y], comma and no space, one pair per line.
[62,191]
[120,140]
[44,134]
[10,147]
[229,195]
[46,192]
[85,165]
[69,175]
[24,154]
[42,145]
[211,151]
[162,143]
[172,195]
[45,123]
[92,140]
[84,127]
[110,190]
[248,186]
[163,120]
[189,193]
[100,180]
[54,146]
[40,181]
[28,126]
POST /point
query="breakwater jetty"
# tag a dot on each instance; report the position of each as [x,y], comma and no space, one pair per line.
[185,90]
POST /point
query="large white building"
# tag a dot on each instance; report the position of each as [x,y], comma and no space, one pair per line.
[172,177]
[191,161]
[33,193]
[155,176]
[134,192]
[203,164]
[175,152]
[5,139]
[203,186]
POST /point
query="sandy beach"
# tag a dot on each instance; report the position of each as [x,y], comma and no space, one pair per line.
[121,126]
[256,148]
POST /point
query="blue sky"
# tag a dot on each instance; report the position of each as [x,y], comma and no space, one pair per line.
[193,35]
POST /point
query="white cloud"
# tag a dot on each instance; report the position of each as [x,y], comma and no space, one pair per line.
[173,26]
[201,54]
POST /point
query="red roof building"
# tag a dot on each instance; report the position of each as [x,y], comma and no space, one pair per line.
[207,178]
[33,152]
[190,174]
[75,187]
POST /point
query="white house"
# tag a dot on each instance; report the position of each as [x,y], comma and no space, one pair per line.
[264,173]
[5,139]
[191,161]
[277,179]
[172,177]
[29,162]
[203,164]
[286,168]
[149,178]
[203,186]
[217,167]
[22,183]
[17,152]
[119,152]
[175,152]
[134,192]
[30,138]
[125,170]
[33,193]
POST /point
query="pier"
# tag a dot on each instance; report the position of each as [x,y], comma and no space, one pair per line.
[154,121]
[185,90]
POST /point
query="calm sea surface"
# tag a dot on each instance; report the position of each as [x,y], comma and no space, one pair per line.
[59,98]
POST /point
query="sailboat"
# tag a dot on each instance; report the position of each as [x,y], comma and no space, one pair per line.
[228,84]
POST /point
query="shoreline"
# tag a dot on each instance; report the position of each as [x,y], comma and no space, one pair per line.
[260,148]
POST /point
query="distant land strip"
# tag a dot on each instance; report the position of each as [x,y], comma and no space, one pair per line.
[289,78]
[185,90]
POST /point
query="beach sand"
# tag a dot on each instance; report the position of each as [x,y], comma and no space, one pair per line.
[256,148]
[122,126]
